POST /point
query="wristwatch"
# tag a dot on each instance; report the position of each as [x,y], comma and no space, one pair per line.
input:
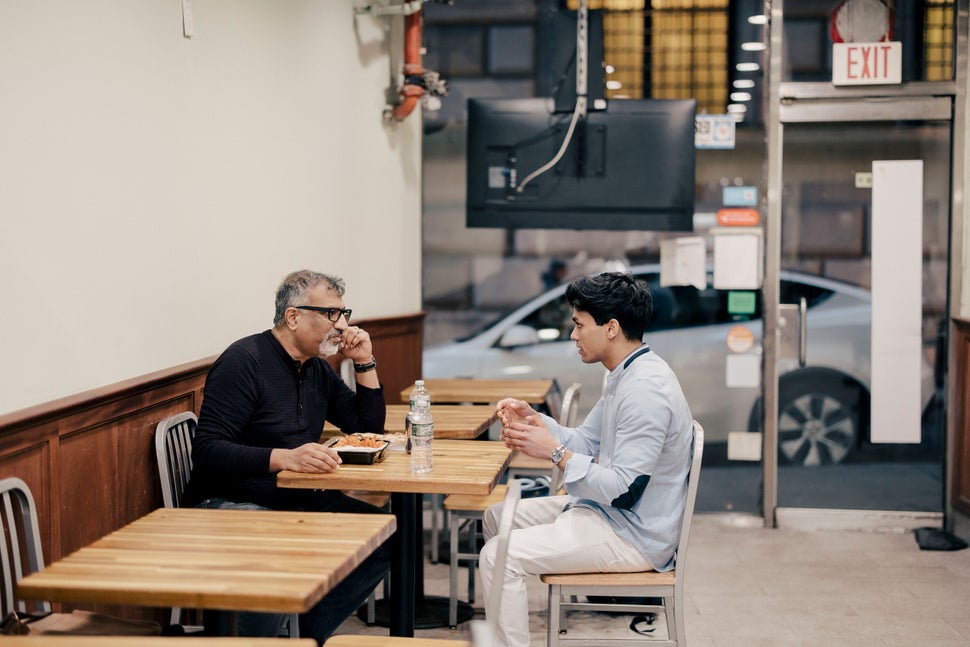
[369,366]
[558,454]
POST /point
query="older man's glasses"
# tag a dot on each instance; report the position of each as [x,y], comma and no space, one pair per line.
[333,314]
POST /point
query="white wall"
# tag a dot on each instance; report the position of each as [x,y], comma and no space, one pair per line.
[155,189]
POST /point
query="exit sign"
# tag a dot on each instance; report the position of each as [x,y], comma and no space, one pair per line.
[867,63]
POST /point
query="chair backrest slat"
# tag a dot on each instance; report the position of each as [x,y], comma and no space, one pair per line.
[570,405]
[173,450]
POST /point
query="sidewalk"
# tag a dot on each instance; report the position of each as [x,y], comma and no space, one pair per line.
[750,587]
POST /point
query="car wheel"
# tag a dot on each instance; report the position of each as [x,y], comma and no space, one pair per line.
[818,420]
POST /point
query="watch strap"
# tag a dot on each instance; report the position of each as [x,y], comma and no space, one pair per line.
[367,366]
[558,454]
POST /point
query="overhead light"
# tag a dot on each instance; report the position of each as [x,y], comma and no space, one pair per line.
[740,96]
[754,47]
[737,108]
[609,69]
[747,67]
[759,19]
[613,85]
[743,84]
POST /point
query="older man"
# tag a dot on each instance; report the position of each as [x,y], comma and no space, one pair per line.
[266,399]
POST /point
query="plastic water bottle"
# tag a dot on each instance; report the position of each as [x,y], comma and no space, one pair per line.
[419,392]
[422,433]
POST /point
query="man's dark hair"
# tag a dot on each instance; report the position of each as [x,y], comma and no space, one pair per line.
[613,295]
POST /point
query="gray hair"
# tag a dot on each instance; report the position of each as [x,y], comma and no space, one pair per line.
[293,290]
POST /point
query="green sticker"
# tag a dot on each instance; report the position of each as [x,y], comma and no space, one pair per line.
[741,303]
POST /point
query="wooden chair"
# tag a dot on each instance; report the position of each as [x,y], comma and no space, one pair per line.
[669,586]
[466,510]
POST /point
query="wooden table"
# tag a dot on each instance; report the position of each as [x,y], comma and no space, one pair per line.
[455,423]
[458,390]
[460,467]
[236,560]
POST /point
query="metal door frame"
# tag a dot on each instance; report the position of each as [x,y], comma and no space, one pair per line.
[809,102]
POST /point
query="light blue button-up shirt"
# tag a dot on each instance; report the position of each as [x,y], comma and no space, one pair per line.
[631,456]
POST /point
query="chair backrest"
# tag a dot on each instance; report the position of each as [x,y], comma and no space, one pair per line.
[554,400]
[692,478]
[347,373]
[173,449]
[483,632]
[20,551]
[570,405]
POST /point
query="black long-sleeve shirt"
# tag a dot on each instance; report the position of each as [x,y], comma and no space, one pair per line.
[258,398]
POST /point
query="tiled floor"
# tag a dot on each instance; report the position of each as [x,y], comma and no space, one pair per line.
[748,587]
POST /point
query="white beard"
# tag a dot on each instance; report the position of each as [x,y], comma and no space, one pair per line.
[330,346]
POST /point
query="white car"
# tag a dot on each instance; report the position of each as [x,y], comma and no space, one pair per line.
[823,406]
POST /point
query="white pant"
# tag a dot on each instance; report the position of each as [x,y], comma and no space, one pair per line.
[547,540]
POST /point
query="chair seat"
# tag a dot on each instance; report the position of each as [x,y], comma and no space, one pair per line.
[377,499]
[640,578]
[475,502]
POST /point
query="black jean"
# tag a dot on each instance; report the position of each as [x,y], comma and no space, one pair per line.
[335,607]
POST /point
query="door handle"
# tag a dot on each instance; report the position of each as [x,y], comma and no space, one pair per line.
[792,341]
[802,332]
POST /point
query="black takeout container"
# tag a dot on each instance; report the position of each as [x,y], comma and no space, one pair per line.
[359,455]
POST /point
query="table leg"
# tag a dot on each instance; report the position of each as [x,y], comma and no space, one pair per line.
[220,623]
[408,606]
[403,575]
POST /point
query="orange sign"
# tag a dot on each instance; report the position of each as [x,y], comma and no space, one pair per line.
[740,339]
[738,217]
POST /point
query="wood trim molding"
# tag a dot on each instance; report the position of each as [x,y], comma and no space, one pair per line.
[98,398]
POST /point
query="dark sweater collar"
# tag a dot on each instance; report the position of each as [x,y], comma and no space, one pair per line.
[278,347]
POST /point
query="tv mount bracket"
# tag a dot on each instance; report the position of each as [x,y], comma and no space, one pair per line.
[582,55]
[579,113]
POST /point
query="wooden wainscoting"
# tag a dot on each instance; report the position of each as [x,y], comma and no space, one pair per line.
[89,459]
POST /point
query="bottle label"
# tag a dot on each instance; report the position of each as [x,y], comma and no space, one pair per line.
[407,431]
[422,429]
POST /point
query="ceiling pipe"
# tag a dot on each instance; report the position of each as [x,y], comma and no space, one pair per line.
[413,87]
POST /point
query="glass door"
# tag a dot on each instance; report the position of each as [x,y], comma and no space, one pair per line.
[832,450]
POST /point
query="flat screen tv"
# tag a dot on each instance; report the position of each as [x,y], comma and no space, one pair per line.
[628,167]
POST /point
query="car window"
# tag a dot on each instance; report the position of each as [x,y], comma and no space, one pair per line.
[792,291]
[552,321]
[676,306]
[684,306]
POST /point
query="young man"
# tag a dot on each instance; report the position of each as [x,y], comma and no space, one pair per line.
[266,399]
[625,466]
